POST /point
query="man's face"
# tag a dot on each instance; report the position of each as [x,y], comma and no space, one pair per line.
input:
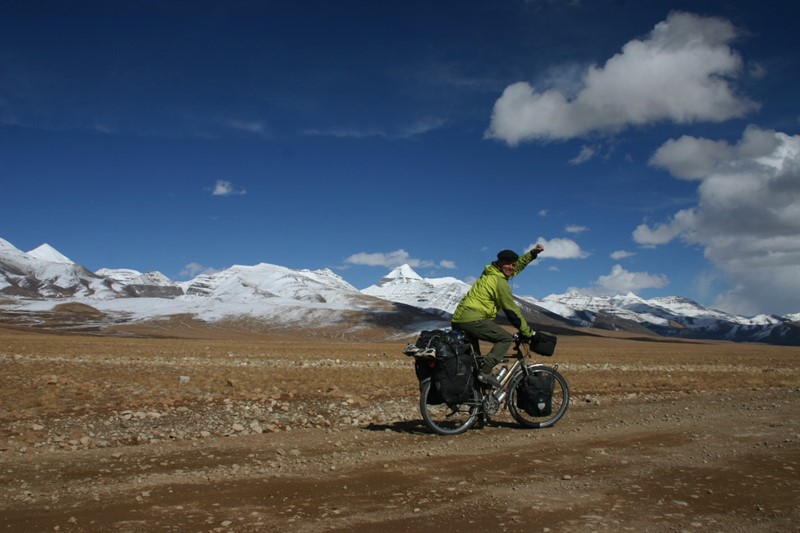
[508,268]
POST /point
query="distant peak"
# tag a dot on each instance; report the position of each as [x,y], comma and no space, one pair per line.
[402,272]
[45,252]
[5,245]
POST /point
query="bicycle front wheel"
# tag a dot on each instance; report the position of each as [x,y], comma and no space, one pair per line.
[447,419]
[552,412]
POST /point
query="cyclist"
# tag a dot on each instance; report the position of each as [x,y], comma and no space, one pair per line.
[476,313]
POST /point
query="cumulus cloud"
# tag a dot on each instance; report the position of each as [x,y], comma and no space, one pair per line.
[691,158]
[574,228]
[395,259]
[621,254]
[226,188]
[560,249]
[192,270]
[747,218]
[681,72]
[621,281]
[682,223]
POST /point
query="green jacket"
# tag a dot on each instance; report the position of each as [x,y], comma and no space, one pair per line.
[490,294]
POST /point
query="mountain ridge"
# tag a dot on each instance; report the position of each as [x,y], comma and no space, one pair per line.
[283,298]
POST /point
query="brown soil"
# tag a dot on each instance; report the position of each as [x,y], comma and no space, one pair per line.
[260,433]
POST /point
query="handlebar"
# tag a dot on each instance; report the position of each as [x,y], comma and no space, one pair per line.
[519,340]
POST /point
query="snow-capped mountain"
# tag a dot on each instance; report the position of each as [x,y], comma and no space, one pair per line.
[435,295]
[276,296]
[402,300]
[135,283]
[45,252]
[46,273]
[669,316]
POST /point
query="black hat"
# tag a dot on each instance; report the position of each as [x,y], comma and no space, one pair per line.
[507,256]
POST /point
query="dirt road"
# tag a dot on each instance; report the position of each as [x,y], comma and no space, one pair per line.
[710,459]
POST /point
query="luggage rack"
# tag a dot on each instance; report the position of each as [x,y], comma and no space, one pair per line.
[412,350]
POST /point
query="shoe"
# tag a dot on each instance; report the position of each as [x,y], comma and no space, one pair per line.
[489,379]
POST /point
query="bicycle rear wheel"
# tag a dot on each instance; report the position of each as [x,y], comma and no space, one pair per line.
[558,404]
[447,419]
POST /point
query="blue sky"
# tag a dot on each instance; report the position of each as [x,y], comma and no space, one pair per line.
[652,147]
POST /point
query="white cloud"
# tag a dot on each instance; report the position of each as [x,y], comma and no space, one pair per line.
[682,223]
[226,188]
[692,158]
[192,270]
[620,281]
[250,126]
[621,254]
[680,72]
[408,131]
[395,259]
[586,153]
[747,217]
[574,228]
[560,249]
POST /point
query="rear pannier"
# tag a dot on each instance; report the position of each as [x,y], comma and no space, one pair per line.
[446,358]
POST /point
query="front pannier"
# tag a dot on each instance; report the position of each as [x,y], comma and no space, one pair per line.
[535,393]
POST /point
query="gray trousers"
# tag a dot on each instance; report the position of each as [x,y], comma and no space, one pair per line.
[487,330]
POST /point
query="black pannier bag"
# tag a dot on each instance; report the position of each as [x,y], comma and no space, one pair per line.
[425,368]
[453,374]
[535,393]
[543,343]
[450,370]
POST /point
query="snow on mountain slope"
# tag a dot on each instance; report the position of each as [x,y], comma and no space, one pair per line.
[403,285]
[126,276]
[272,293]
[273,281]
[47,273]
[45,252]
[128,282]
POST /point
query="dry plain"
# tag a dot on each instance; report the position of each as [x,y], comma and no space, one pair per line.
[199,429]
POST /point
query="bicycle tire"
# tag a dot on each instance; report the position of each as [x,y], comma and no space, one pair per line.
[447,419]
[560,399]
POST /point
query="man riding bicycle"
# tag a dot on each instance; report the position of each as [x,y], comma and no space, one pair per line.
[477,311]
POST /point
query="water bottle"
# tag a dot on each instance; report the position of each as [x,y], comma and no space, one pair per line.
[502,373]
